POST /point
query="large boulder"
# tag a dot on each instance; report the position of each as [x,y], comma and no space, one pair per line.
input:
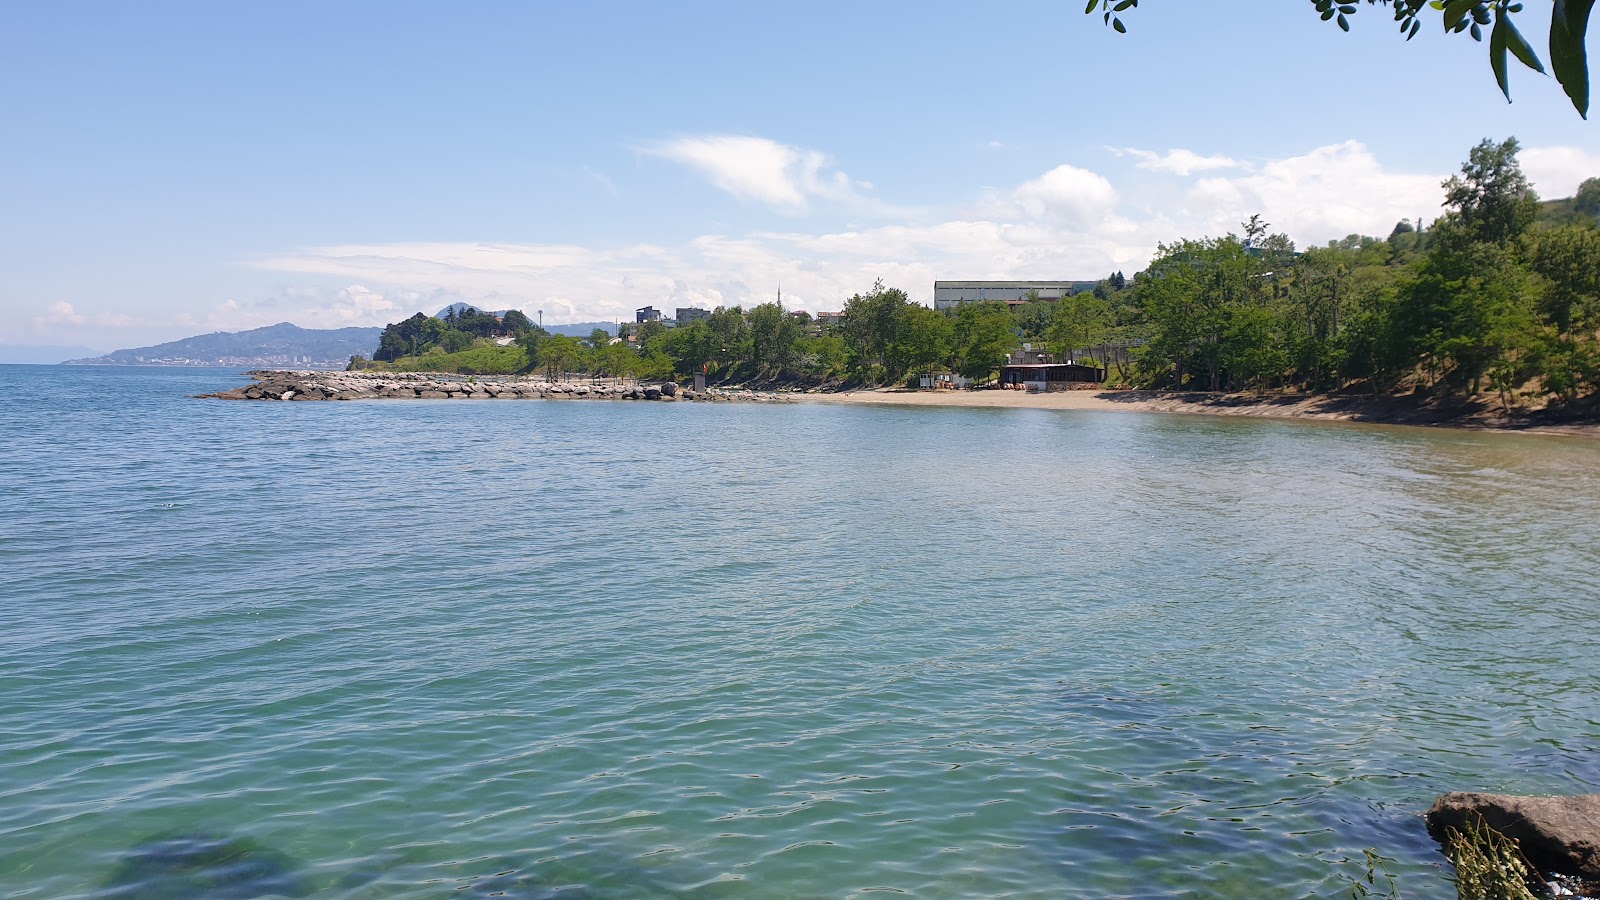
[1558,835]
[652,393]
[668,389]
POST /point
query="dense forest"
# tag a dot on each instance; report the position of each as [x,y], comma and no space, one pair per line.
[1500,294]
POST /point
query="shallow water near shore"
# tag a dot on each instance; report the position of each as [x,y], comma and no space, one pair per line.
[564,649]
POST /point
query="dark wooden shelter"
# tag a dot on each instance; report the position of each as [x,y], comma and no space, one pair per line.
[1052,376]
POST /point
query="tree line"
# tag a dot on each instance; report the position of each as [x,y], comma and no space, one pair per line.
[1501,294]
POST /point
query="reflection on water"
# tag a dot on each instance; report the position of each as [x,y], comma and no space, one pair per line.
[597,650]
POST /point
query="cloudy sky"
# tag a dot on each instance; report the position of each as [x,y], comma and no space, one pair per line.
[175,168]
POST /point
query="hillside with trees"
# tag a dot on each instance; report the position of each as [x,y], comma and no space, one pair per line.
[1499,298]
[283,344]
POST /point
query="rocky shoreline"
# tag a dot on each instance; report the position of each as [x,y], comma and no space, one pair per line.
[278,384]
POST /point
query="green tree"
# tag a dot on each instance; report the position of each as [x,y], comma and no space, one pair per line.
[984,335]
[1568,257]
[454,340]
[1034,316]
[689,346]
[1569,22]
[650,333]
[410,337]
[925,338]
[871,325]
[1492,199]
[772,336]
[560,354]
[1080,321]
[822,356]
[474,322]
[515,321]
[730,335]
[1467,311]
[1587,200]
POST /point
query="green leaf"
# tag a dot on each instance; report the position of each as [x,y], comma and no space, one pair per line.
[1090,8]
[1117,24]
[1519,45]
[1569,59]
[1455,11]
[1343,23]
[1497,56]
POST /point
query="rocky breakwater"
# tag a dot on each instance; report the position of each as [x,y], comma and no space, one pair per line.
[287,385]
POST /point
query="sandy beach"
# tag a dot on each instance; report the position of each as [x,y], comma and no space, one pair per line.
[1349,408]
[1093,400]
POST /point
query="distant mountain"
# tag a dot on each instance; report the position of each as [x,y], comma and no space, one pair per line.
[583,329]
[459,308]
[42,355]
[275,345]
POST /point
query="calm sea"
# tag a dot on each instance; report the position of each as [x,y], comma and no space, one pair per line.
[634,650]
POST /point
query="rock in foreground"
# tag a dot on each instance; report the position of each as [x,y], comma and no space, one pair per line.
[1556,834]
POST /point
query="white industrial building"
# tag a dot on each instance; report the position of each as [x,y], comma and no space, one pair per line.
[951,294]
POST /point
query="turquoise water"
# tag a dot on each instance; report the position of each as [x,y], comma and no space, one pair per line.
[587,649]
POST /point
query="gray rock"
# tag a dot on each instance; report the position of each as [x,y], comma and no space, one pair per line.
[1558,835]
[652,393]
[668,389]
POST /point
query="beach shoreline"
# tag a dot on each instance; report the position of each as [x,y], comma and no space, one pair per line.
[277,384]
[1380,410]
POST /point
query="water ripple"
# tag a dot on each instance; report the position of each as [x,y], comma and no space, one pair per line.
[607,650]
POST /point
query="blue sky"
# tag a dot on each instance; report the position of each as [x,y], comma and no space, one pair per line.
[173,168]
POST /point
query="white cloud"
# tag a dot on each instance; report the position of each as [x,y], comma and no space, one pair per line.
[1178,161]
[1066,194]
[1068,222]
[59,313]
[62,314]
[776,175]
[1556,172]
[1323,195]
[315,307]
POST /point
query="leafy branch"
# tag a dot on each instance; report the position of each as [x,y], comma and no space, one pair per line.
[1569,25]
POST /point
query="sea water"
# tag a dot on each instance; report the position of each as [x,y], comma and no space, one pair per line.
[611,649]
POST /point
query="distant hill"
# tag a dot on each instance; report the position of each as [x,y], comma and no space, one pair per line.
[580,329]
[459,308]
[1565,212]
[583,329]
[274,345]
